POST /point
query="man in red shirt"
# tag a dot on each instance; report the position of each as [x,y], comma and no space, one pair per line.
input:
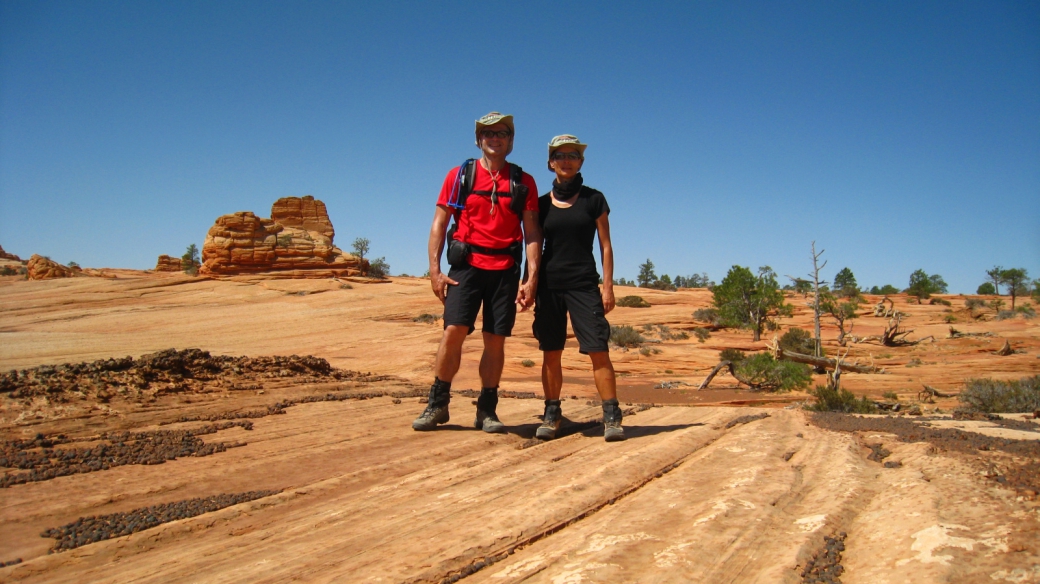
[494,222]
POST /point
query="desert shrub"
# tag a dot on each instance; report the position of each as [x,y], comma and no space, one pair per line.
[997,304]
[986,288]
[346,286]
[732,355]
[884,290]
[701,333]
[708,315]
[828,399]
[990,395]
[648,327]
[73,265]
[625,336]
[890,395]
[797,340]
[974,303]
[942,301]
[426,318]
[1005,314]
[632,302]
[680,336]
[949,319]
[915,362]
[1027,311]
[8,271]
[527,363]
[378,268]
[764,372]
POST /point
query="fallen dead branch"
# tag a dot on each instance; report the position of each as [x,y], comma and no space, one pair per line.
[956,334]
[823,362]
[929,393]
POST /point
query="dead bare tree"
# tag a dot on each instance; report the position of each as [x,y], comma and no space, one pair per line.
[816,295]
[881,310]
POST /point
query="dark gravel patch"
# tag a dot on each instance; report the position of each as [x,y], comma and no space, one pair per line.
[168,371]
[87,530]
[44,462]
[825,565]
[1021,470]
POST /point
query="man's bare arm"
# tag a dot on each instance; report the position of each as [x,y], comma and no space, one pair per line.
[533,241]
[439,281]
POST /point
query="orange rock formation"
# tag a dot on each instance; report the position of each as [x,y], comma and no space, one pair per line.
[168,264]
[41,268]
[295,243]
[9,256]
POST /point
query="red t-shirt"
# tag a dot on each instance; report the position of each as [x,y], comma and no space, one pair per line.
[479,226]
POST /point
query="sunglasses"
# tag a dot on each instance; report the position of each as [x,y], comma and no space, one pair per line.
[495,134]
[566,156]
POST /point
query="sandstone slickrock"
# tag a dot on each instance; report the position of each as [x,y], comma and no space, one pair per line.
[168,264]
[41,268]
[296,242]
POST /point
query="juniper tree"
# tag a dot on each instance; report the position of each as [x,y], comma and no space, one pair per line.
[841,312]
[994,276]
[1015,279]
[360,247]
[646,275]
[748,300]
[190,260]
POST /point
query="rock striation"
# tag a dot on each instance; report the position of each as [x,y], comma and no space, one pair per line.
[41,268]
[168,264]
[296,242]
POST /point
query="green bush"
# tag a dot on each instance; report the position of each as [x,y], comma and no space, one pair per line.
[632,302]
[702,334]
[797,340]
[426,318]
[8,271]
[378,268]
[732,355]
[1027,311]
[527,363]
[990,395]
[764,372]
[974,303]
[890,395]
[708,315]
[1005,314]
[986,288]
[942,301]
[625,336]
[839,400]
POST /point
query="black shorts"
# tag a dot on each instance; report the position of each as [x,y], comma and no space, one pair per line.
[495,289]
[585,306]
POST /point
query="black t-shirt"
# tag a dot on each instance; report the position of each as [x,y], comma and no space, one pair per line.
[567,258]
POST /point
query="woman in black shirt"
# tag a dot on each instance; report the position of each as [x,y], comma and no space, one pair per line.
[570,216]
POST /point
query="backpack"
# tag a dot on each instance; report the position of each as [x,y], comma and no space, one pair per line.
[458,251]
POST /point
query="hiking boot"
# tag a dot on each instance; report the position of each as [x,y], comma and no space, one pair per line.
[436,411]
[486,419]
[550,420]
[612,430]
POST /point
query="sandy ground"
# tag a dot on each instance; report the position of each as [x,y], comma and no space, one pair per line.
[363,498]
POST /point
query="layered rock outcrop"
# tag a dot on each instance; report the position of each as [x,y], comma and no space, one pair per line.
[296,242]
[168,264]
[41,268]
[9,256]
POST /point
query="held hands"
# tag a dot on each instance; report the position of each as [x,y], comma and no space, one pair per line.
[608,299]
[525,295]
[440,282]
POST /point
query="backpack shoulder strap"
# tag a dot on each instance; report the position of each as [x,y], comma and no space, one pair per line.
[517,190]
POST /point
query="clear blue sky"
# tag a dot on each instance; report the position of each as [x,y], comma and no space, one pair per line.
[897,135]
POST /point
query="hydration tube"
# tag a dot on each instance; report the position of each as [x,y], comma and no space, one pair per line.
[453,198]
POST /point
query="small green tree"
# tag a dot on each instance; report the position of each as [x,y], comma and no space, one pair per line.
[884,290]
[1036,290]
[845,284]
[1015,279]
[986,288]
[646,275]
[360,247]
[801,286]
[938,284]
[921,285]
[190,260]
[750,301]
[841,312]
[378,268]
[994,277]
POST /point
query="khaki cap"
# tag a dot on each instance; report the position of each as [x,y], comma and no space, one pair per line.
[566,140]
[494,118]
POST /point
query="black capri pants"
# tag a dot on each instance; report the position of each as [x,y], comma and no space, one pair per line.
[585,306]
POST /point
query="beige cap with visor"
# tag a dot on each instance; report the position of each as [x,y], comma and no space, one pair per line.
[566,140]
[490,120]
